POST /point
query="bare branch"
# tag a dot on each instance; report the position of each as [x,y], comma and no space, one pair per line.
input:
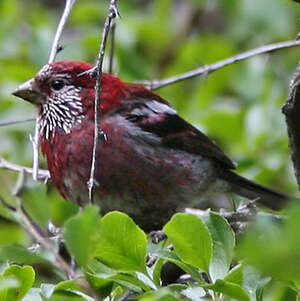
[12,122]
[62,23]
[20,184]
[240,218]
[42,174]
[55,48]
[112,47]
[204,70]
[42,239]
[97,70]
[36,149]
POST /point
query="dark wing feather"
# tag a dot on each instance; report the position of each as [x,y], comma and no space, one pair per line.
[156,116]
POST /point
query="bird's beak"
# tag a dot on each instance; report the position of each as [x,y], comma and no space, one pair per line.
[29,92]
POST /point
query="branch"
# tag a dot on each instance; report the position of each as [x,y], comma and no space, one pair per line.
[59,262]
[62,23]
[12,122]
[240,218]
[35,141]
[37,233]
[43,174]
[54,50]
[97,70]
[156,84]
[291,110]
[112,47]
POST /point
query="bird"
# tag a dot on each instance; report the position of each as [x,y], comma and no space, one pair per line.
[150,163]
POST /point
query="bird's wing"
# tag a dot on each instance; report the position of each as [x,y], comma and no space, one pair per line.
[156,116]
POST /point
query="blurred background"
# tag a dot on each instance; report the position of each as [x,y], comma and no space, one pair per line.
[238,106]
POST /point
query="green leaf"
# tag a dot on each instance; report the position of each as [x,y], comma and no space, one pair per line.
[191,239]
[260,247]
[223,244]
[20,254]
[157,271]
[63,291]
[12,233]
[122,244]
[99,274]
[249,278]
[47,289]
[130,281]
[194,293]
[37,206]
[164,294]
[81,234]
[172,257]
[7,283]
[34,294]
[68,285]
[25,277]
[61,210]
[236,275]
[102,287]
[69,295]
[231,290]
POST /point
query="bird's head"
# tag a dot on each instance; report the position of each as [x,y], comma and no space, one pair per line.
[64,92]
[55,81]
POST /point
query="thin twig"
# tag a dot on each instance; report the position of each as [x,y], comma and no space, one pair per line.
[42,174]
[112,47]
[97,70]
[59,262]
[54,50]
[35,231]
[240,218]
[12,122]
[242,214]
[35,141]
[62,23]
[42,239]
[20,184]
[156,84]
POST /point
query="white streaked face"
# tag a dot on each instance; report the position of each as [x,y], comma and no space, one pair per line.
[62,107]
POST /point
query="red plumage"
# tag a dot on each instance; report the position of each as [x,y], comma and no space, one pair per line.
[152,164]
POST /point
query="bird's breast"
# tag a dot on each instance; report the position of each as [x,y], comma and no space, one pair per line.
[134,172]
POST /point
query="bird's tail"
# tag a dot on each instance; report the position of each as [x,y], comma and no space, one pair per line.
[251,190]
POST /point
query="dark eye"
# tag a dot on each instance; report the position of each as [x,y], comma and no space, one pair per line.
[57,84]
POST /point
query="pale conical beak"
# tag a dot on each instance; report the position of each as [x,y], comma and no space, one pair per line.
[29,92]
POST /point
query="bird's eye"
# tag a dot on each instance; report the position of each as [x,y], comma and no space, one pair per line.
[57,84]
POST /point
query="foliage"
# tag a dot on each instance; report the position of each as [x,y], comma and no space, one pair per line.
[113,266]
[238,106]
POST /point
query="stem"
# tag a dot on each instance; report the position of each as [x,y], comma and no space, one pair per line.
[44,241]
[12,122]
[42,174]
[112,13]
[62,23]
[36,149]
[156,84]
[112,47]
[54,50]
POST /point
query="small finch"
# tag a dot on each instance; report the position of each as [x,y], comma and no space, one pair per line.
[152,163]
